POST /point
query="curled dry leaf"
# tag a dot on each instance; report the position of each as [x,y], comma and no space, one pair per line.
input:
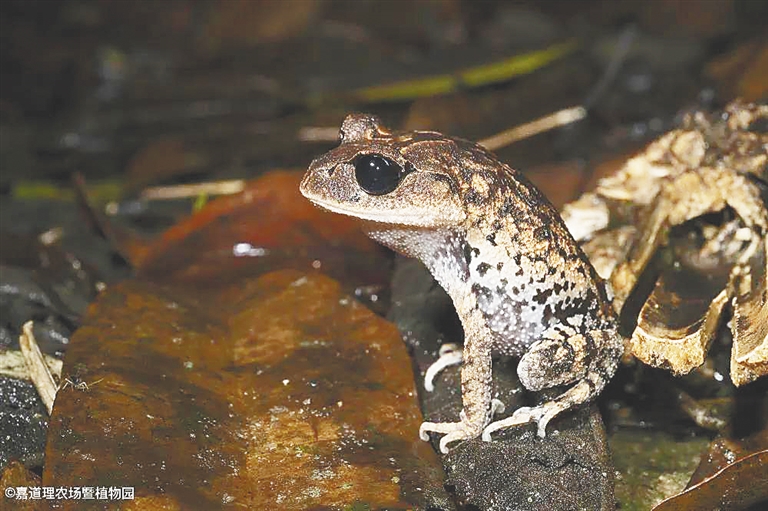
[691,208]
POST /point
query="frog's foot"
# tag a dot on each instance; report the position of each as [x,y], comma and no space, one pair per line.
[450,355]
[561,348]
[544,413]
[522,415]
[456,431]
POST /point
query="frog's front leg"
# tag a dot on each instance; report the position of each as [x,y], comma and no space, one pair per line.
[564,356]
[478,407]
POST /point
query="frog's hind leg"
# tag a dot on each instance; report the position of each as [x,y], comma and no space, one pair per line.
[450,355]
[563,357]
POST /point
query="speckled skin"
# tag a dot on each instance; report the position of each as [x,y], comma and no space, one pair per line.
[519,282]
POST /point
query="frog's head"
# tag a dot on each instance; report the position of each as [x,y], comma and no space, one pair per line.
[406,179]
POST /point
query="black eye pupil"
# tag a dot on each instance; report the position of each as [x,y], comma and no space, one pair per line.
[376,174]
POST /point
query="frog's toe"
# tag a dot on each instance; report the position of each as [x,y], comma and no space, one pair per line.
[522,415]
[450,355]
[424,430]
[544,420]
[454,436]
[497,407]
[440,428]
[453,431]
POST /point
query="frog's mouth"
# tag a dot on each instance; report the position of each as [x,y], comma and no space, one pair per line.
[379,216]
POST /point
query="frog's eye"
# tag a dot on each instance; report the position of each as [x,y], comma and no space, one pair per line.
[376,174]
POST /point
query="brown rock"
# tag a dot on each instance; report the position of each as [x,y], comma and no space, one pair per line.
[295,396]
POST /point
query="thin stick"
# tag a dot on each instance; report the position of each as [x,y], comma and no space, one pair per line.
[193,190]
[510,136]
[38,369]
[540,125]
[318,134]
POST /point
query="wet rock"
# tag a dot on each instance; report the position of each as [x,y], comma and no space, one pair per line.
[569,469]
[150,409]
[23,423]
[332,414]
[287,394]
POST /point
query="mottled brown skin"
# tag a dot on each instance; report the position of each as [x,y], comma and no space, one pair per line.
[519,282]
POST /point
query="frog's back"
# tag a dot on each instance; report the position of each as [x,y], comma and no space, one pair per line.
[525,270]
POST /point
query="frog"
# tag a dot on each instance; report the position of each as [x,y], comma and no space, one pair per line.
[519,282]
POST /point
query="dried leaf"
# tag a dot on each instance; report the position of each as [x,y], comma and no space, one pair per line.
[267,226]
[13,476]
[749,355]
[737,486]
[714,164]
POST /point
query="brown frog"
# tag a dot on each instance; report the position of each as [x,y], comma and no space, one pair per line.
[520,283]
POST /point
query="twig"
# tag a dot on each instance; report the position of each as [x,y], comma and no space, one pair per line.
[38,370]
[318,134]
[229,187]
[548,122]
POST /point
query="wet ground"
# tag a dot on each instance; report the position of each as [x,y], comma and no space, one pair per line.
[232,350]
